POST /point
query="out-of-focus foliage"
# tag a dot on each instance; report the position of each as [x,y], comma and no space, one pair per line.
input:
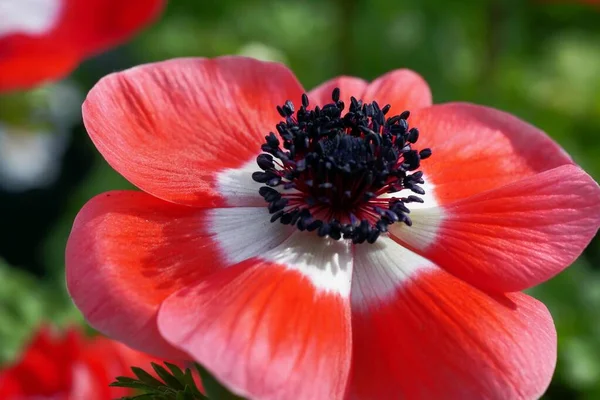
[24,302]
[539,61]
[573,297]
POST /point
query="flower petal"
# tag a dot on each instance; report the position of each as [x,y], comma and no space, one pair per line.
[349,86]
[477,148]
[273,327]
[429,335]
[44,366]
[34,17]
[128,251]
[44,40]
[22,71]
[403,89]
[177,129]
[106,359]
[513,237]
[102,24]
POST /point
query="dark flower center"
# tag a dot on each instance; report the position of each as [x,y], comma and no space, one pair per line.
[328,171]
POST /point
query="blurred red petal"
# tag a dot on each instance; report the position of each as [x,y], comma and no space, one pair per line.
[403,89]
[106,359]
[477,148]
[128,251]
[178,129]
[513,237]
[68,366]
[23,71]
[429,335]
[44,368]
[273,327]
[44,40]
[349,86]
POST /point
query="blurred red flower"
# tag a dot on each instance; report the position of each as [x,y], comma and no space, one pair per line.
[69,367]
[232,251]
[44,40]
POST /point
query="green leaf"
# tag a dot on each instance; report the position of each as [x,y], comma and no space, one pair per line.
[174,384]
[214,389]
[146,377]
[25,303]
[185,396]
[186,378]
[169,379]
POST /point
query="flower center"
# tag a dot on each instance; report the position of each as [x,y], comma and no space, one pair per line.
[337,173]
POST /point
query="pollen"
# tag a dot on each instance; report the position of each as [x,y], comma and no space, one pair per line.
[341,174]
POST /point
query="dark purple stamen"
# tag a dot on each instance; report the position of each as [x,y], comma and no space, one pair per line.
[326,171]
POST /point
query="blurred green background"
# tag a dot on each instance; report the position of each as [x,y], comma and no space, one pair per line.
[537,60]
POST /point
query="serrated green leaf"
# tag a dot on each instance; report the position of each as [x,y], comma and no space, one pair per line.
[177,384]
[146,377]
[125,379]
[134,385]
[186,378]
[214,389]
[147,396]
[170,380]
[185,396]
[189,379]
[175,370]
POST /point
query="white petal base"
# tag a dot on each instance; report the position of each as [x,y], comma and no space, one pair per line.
[380,268]
[33,17]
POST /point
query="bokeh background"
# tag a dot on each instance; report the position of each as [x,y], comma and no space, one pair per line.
[536,59]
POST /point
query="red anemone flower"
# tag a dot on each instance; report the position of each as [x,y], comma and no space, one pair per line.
[333,259]
[44,40]
[69,367]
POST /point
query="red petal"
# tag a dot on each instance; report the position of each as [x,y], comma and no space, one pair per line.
[67,366]
[105,23]
[477,148]
[128,251]
[31,55]
[44,367]
[10,386]
[348,85]
[106,359]
[271,328]
[23,71]
[513,237]
[403,89]
[177,129]
[436,337]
